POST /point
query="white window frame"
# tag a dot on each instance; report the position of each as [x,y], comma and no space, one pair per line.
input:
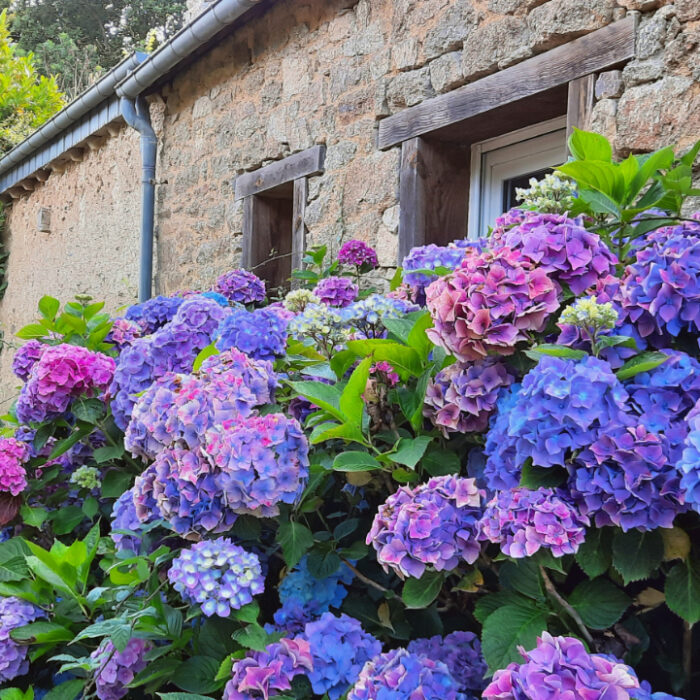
[503,157]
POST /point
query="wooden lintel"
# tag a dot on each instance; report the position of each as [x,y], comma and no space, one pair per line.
[304,164]
[588,54]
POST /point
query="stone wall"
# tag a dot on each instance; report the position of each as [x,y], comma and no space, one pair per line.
[92,246]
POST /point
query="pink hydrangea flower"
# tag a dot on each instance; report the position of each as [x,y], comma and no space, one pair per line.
[13,455]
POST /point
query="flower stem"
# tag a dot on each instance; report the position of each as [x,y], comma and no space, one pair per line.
[364,578]
[572,613]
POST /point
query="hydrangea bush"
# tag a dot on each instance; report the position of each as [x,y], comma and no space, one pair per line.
[480,482]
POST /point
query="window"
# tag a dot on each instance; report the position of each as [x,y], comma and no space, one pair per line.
[500,165]
[464,153]
[274,202]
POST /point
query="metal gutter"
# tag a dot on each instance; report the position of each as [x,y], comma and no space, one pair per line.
[102,90]
[201,29]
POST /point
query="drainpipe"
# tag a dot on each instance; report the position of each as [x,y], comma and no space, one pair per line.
[136,115]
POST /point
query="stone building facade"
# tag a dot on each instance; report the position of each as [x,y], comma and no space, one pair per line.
[294,74]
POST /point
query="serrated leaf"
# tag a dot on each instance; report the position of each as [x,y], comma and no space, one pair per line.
[421,592]
[410,450]
[196,675]
[41,632]
[644,362]
[404,360]
[600,603]
[594,555]
[636,555]
[355,461]
[66,691]
[33,516]
[488,604]
[440,462]
[523,576]
[295,540]
[508,628]
[537,351]
[676,543]
[48,306]
[115,483]
[183,696]
[683,591]
[351,402]
[88,410]
[108,453]
[323,395]
[587,145]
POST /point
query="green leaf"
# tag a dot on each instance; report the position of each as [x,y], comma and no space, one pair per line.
[13,566]
[66,691]
[183,696]
[596,175]
[16,694]
[683,591]
[587,145]
[108,453]
[644,362]
[611,341]
[48,306]
[441,462]
[352,404]
[41,632]
[342,361]
[196,675]
[508,628]
[355,461]
[105,628]
[404,360]
[421,592]
[594,556]
[649,165]
[417,338]
[204,354]
[523,576]
[248,613]
[78,434]
[555,351]
[325,396]
[600,203]
[295,540]
[323,564]
[493,601]
[332,431]
[541,477]
[31,331]
[160,668]
[88,410]
[600,603]
[115,483]
[636,555]
[410,450]
[254,637]
[66,519]
[33,516]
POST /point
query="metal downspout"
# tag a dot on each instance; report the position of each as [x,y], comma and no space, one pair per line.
[136,115]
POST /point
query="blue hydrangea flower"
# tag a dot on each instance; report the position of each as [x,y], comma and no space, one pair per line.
[154,313]
[339,648]
[367,316]
[500,471]
[262,333]
[217,575]
[13,656]
[689,463]
[220,299]
[399,674]
[124,518]
[429,257]
[305,597]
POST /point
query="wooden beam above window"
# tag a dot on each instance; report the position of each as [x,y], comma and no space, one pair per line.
[597,51]
[304,164]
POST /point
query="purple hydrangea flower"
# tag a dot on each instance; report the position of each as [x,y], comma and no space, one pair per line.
[462,397]
[180,408]
[689,463]
[261,334]
[661,290]
[429,257]
[336,291]
[262,674]
[154,313]
[14,454]
[124,518]
[624,479]
[217,575]
[401,674]
[26,357]
[116,669]
[489,304]
[562,248]
[562,406]
[124,332]
[339,648]
[263,461]
[461,653]
[13,655]
[64,372]
[500,470]
[305,597]
[359,254]
[241,287]
[434,524]
[559,663]
[523,521]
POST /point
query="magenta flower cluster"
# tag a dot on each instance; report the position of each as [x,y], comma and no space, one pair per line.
[359,254]
[241,287]
[522,522]
[180,408]
[217,575]
[262,674]
[26,357]
[462,397]
[434,524]
[461,653]
[336,291]
[116,669]
[14,454]
[562,248]
[401,674]
[488,305]
[62,374]
[340,648]
[14,613]
[559,663]
[124,332]
[661,290]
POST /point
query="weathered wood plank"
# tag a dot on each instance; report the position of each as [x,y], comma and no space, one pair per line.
[593,52]
[301,191]
[580,104]
[308,162]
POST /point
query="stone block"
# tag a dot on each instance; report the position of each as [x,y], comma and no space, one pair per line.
[408,89]
[687,10]
[609,84]
[450,31]
[638,72]
[404,54]
[495,45]
[446,72]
